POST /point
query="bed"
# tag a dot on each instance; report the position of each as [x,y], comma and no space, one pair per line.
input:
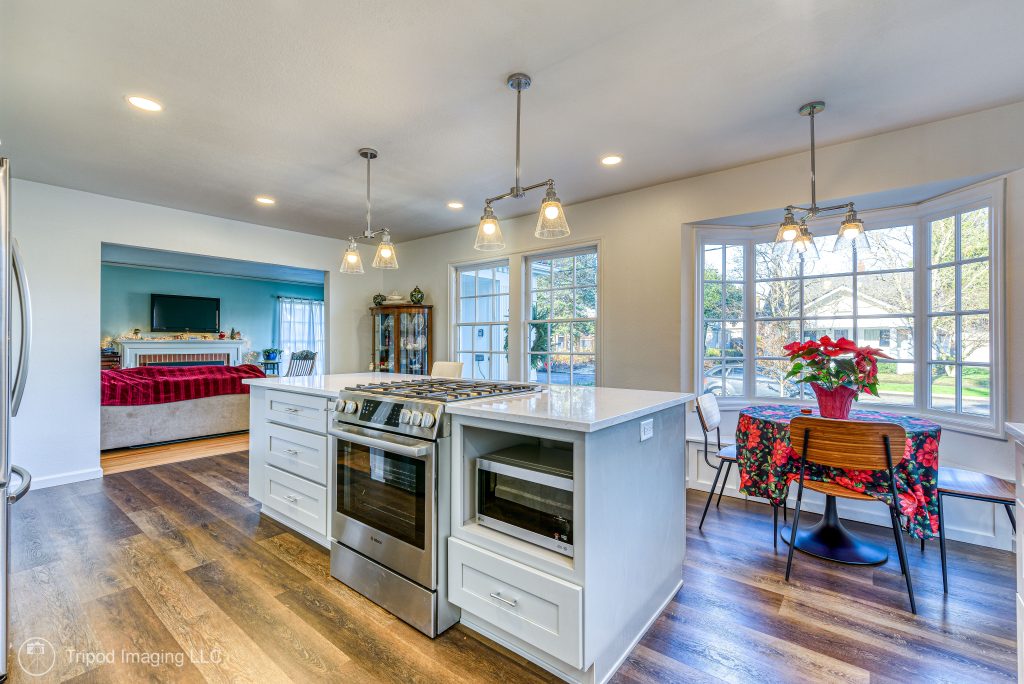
[153,404]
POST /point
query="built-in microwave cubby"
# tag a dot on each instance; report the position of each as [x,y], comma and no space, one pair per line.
[521,491]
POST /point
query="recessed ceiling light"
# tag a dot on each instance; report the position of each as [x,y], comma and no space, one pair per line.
[263,199]
[144,103]
[611,160]
[455,205]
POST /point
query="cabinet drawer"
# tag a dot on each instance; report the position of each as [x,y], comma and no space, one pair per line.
[299,499]
[540,609]
[299,453]
[297,410]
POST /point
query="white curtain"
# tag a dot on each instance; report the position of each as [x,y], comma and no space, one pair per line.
[301,326]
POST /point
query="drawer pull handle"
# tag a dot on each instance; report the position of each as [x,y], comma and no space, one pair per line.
[292,410]
[292,452]
[291,498]
[499,597]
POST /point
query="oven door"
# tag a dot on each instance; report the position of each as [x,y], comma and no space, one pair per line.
[386,502]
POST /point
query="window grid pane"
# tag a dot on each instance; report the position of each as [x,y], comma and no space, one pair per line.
[481,320]
[562,320]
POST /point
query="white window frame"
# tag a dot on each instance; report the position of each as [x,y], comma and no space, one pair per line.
[527,320]
[989,193]
[456,309]
[519,302]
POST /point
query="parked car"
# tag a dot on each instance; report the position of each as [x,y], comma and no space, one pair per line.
[768,384]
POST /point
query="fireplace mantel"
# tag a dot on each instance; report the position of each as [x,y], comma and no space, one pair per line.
[135,352]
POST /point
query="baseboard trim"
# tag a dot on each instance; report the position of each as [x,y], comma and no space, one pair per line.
[66,478]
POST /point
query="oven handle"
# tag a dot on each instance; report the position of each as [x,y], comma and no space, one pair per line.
[527,474]
[395,444]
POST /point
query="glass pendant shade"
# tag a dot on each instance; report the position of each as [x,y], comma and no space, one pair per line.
[852,234]
[386,256]
[803,244]
[352,262]
[488,234]
[551,223]
[788,229]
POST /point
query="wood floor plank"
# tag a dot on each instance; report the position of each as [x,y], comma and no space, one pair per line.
[122,460]
[175,544]
[298,649]
[219,649]
[140,646]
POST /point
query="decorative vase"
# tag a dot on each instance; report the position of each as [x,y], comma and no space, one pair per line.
[834,403]
[379,299]
[416,296]
[270,356]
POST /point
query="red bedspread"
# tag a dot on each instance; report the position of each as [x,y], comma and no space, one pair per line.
[164,384]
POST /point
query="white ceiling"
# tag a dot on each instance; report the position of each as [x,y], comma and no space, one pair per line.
[275,96]
[125,255]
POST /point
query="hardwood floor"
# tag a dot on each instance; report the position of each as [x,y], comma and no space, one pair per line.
[121,460]
[170,573]
[736,619]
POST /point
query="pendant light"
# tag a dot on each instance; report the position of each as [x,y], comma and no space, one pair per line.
[798,235]
[488,233]
[386,256]
[551,223]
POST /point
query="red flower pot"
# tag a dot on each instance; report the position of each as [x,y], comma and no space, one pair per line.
[834,403]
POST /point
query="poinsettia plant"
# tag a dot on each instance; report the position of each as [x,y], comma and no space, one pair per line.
[837,363]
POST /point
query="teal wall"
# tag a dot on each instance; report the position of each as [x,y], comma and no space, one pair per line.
[246,304]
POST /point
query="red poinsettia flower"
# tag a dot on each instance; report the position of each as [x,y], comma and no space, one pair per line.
[745,479]
[780,452]
[928,454]
[753,436]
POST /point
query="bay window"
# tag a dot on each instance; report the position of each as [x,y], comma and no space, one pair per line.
[924,292]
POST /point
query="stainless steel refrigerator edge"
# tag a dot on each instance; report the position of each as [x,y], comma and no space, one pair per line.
[14,480]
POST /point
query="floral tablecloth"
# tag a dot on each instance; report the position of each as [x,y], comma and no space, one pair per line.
[768,464]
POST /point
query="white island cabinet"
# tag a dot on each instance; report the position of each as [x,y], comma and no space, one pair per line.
[580,615]
[620,457]
[1016,432]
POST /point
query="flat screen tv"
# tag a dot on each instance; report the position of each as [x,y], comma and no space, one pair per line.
[176,313]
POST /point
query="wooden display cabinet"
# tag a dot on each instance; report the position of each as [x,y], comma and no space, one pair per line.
[402,340]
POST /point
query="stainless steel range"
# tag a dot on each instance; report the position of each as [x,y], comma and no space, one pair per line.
[393,477]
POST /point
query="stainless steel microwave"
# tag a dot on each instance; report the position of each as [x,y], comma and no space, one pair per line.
[527,492]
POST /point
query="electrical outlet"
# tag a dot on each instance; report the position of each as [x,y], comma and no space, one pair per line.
[646,429]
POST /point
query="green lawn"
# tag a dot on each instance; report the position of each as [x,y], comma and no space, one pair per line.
[974,386]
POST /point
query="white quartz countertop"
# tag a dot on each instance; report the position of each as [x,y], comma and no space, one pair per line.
[583,409]
[1016,430]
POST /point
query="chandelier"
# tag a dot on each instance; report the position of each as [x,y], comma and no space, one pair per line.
[796,233]
[386,257]
[551,221]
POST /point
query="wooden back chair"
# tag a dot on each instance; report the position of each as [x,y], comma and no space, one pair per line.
[711,419]
[301,363]
[446,369]
[851,445]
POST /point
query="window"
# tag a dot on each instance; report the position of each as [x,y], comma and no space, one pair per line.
[867,297]
[301,327]
[923,292]
[959,306]
[481,320]
[562,317]
[724,271]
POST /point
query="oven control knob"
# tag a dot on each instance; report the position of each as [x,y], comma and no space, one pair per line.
[405,416]
[428,420]
[350,407]
[416,419]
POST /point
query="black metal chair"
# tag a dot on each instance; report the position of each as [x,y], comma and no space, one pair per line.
[301,363]
[711,419]
[966,484]
[852,445]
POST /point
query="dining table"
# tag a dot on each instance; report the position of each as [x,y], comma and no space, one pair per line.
[768,466]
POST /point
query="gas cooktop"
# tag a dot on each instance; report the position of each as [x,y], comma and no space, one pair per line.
[446,390]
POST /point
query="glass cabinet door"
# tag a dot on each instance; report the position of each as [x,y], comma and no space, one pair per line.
[383,339]
[412,343]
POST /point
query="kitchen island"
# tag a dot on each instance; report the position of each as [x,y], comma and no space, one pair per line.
[576,603]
